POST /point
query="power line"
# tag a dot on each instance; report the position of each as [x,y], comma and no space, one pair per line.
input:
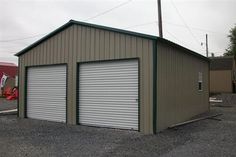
[137,25]
[198,42]
[2,47]
[99,14]
[196,28]
[132,26]
[142,24]
[22,38]
[151,22]
[174,37]
[118,6]
[179,39]
[147,23]
[107,11]
[8,52]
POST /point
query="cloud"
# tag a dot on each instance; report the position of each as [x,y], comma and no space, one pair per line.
[23,18]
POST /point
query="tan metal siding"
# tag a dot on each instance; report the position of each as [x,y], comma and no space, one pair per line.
[80,44]
[221,81]
[178,98]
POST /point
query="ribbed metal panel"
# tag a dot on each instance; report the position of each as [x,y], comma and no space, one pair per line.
[78,44]
[46,93]
[178,97]
[108,94]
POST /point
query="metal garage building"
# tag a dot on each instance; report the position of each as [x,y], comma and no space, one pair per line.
[100,76]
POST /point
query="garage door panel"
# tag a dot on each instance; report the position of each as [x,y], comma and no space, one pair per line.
[101,75]
[114,77]
[47,117]
[52,107]
[112,64]
[107,107]
[108,94]
[116,87]
[110,124]
[108,82]
[127,117]
[46,93]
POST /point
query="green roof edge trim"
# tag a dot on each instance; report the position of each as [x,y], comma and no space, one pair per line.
[188,51]
[72,22]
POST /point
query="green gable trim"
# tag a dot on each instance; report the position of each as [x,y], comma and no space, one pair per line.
[73,22]
[43,39]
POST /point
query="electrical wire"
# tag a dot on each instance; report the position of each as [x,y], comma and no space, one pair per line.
[174,37]
[196,28]
[99,14]
[142,24]
[8,52]
[194,37]
[132,26]
[138,25]
[107,11]
[183,43]
[29,37]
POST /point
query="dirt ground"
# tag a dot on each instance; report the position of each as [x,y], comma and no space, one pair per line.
[206,138]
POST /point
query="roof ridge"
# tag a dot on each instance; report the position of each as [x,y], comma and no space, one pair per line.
[142,35]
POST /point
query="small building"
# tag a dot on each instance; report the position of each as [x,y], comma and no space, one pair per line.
[11,71]
[222,74]
[94,75]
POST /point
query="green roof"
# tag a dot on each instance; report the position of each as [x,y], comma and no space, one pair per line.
[73,22]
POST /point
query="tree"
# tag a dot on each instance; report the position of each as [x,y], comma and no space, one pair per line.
[231,51]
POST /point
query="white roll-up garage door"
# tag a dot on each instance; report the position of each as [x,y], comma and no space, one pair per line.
[108,94]
[46,93]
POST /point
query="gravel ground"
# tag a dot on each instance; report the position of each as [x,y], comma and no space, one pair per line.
[228,99]
[207,138]
[7,105]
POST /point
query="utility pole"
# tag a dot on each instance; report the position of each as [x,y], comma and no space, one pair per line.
[206,45]
[159,18]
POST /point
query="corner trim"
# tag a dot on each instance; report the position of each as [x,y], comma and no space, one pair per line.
[77,93]
[25,91]
[154,86]
[18,87]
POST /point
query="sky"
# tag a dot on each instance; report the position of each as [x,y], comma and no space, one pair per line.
[185,22]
